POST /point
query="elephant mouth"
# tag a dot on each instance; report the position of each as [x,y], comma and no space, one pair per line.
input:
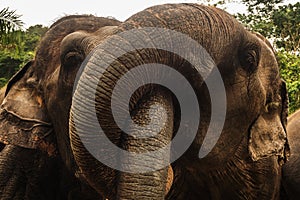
[26,132]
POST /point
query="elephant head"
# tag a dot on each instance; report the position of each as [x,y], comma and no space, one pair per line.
[246,160]
[29,129]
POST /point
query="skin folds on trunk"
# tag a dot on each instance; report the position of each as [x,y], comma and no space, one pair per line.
[151,185]
[27,174]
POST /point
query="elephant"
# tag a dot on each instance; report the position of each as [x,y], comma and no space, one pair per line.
[291,169]
[246,161]
[34,163]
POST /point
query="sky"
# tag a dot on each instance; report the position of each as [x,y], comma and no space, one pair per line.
[46,12]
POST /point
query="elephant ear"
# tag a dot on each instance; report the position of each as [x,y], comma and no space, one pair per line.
[268,134]
[23,118]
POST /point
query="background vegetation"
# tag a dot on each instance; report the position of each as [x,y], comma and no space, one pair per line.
[17,45]
[279,22]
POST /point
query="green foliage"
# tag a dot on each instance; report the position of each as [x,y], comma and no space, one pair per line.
[281,23]
[10,63]
[15,55]
[9,24]
[16,46]
[32,36]
[259,16]
[286,22]
[3,81]
[289,68]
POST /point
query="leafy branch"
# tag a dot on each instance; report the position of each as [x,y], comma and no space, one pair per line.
[10,26]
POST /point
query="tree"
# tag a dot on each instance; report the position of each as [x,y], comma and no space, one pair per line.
[9,24]
[32,36]
[289,68]
[258,17]
[278,23]
[15,55]
[286,21]
[17,46]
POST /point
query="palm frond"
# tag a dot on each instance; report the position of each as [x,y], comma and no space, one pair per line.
[10,27]
[9,21]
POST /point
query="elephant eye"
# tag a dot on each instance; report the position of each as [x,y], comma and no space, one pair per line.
[70,64]
[272,107]
[72,59]
[249,57]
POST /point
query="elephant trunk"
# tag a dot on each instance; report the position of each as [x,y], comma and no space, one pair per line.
[9,180]
[32,177]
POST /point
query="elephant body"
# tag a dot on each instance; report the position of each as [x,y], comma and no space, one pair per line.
[246,161]
[291,169]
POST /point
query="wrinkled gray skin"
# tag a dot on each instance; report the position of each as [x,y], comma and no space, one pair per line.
[291,169]
[246,161]
[36,162]
[244,164]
